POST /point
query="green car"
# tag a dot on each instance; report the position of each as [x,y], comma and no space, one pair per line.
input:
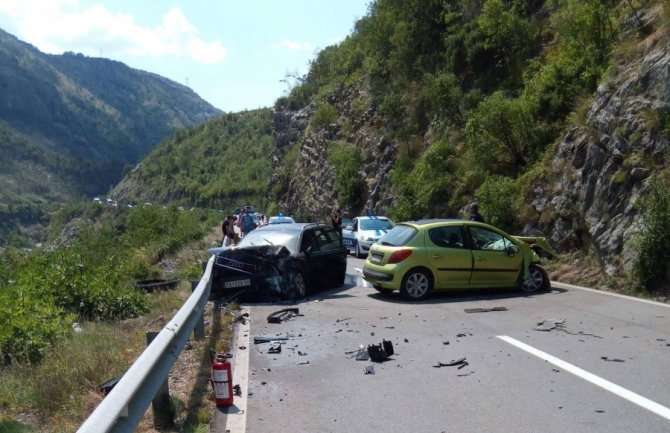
[417,257]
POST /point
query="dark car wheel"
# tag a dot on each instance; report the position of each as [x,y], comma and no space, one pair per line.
[537,280]
[416,284]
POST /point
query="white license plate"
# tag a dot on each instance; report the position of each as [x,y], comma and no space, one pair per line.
[376,258]
[237,283]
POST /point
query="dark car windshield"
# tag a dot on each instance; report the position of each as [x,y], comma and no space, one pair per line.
[398,236]
[375,224]
[271,237]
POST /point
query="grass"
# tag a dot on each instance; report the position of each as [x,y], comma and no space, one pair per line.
[59,394]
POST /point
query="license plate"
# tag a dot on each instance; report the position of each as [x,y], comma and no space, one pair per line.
[348,242]
[376,258]
[237,283]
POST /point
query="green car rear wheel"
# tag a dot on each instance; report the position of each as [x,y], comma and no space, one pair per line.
[416,284]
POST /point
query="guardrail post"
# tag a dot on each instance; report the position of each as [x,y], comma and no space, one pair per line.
[199,330]
[163,416]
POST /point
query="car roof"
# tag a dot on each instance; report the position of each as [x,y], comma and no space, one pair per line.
[288,227]
[376,217]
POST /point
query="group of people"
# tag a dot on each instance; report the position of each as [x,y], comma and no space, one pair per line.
[245,222]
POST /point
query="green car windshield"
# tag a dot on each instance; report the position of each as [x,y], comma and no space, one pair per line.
[399,236]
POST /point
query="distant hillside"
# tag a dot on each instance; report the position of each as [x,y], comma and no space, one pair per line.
[70,124]
[219,165]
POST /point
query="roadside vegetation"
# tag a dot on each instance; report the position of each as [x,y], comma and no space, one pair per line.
[71,317]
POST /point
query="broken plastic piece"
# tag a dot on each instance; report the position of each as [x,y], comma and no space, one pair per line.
[362,355]
[268,338]
[604,358]
[460,361]
[484,310]
[275,349]
[370,369]
[281,315]
[380,352]
[237,390]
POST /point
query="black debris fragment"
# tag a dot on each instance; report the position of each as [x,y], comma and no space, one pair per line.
[604,358]
[275,349]
[303,363]
[461,362]
[242,318]
[381,352]
[485,310]
[268,338]
[282,315]
[445,342]
[106,387]
[237,390]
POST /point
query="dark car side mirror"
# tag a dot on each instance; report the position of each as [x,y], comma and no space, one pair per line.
[512,250]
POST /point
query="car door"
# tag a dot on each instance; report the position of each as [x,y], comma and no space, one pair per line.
[349,236]
[449,256]
[492,265]
[326,255]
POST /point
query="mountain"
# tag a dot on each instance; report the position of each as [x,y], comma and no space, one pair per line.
[552,115]
[70,124]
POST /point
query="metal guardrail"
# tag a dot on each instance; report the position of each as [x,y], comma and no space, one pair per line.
[124,407]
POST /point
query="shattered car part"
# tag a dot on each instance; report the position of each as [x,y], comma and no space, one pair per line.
[268,338]
[370,369]
[484,310]
[460,362]
[381,352]
[285,314]
[275,349]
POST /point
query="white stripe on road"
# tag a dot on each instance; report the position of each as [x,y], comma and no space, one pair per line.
[236,415]
[598,381]
[602,292]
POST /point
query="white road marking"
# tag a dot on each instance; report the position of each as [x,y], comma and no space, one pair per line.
[236,415]
[590,377]
[601,292]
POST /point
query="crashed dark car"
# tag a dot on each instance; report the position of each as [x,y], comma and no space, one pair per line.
[285,261]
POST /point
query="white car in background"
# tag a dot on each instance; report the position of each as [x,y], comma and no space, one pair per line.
[363,232]
[281,219]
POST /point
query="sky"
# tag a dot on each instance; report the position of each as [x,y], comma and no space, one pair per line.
[237,55]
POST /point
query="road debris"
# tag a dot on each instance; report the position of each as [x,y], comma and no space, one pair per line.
[283,315]
[370,369]
[242,318]
[461,362]
[237,390]
[268,338]
[604,358]
[381,352]
[550,325]
[559,325]
[484,310]
[275,349]
[362,354]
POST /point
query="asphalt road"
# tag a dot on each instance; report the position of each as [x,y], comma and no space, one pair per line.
[603,368]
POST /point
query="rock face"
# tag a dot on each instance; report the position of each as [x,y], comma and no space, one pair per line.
[601,169]
[311,183]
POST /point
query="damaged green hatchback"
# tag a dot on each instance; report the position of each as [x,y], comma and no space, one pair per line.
[418,257]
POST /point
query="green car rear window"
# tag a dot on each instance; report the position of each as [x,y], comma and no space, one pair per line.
[399,236]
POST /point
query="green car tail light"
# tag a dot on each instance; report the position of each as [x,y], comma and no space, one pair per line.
[399,256]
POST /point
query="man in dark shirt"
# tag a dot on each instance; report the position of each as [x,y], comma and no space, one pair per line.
[474,213]
[336,220]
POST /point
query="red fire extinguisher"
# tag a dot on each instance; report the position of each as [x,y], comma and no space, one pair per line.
[222,380]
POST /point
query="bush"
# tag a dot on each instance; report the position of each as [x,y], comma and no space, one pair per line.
[498,202]
[346,159]
[650,267]
[324,116]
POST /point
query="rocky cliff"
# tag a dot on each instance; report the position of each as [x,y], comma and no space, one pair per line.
[311,186]
[600,169]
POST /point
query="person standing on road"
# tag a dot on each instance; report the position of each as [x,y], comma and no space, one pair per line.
[474,213]
[247,223]
[336,220]
[224,231]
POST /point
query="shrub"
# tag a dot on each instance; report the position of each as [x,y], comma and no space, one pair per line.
[498,202]
[346,159]
[650,267]
[325,115]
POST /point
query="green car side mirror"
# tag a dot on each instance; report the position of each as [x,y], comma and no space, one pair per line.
[512,250]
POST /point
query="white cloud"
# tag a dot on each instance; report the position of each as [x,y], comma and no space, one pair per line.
[56,26]
[287,44]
